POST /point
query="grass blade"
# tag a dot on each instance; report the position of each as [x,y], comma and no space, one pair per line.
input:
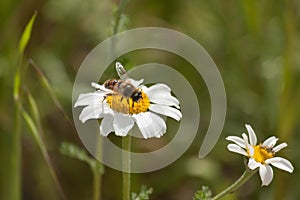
[26,34]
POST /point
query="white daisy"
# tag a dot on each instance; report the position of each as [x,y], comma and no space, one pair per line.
[260,156]
[119,113]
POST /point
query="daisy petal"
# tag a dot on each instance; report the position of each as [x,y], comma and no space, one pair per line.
[246,141]
[252,164]
[92,112]
[279,147]
[270,142]
[89,99]
[237,140]
[166,110]
[106,125]
[281,163]
[266,174]
[250,150]
[122,124]
[150,124]
[161,94]
[252,136]
[136,83]
[100,87]
[236,149]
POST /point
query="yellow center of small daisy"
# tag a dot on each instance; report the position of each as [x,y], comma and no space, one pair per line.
[125,105]
[262,153]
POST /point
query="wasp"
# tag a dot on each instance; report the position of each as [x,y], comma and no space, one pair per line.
[123,86]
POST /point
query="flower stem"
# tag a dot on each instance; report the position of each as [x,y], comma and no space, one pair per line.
[236,185]
[118,16]
[97,184]
[97,175]
[126,162]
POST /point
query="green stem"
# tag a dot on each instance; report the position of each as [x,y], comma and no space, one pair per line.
[118,16]
[97,184]
[116,26]
[236,185]
[126,163]
[14,181]
[97,175]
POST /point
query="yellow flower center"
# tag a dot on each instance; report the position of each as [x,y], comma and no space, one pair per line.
[125,105]
[262,153]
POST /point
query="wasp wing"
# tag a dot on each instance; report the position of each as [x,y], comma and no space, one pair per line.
[121,71]
[124,75]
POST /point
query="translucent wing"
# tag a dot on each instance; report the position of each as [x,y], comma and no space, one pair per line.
[121,71]
[124,76]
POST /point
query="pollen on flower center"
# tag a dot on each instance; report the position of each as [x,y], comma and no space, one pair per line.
[125,105]
[262,153]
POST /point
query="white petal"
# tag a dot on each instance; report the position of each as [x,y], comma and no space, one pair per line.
[106,125]
[166,110]
[279,147]
[270,142]
[122,124]
[266,174]
[251,150]
[150,124]
[89,99]
[246,141]
[161,94]
[92,112]
[136,83]
[252,136]
[100,87]
[236,149]
[252,164]
[159,88]
[281,163]
[245,138]
[96,85]
[237,140]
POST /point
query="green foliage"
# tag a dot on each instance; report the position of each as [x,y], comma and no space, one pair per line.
[26,34]
[17,82]
[203,194]
[120,20]
[73,151]
[14,164]
[34,110]
[143,195]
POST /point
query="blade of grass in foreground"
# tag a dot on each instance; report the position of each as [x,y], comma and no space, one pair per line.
[46,84]
[36,133]
[13,183]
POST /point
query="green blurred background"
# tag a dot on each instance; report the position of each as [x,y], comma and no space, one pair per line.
[255,44]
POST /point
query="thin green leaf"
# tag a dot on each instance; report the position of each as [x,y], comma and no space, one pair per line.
[33,108]
[17,82]
[36,134]
[73,151]
[46,84]
[33,128]
[26,34]
[78,153]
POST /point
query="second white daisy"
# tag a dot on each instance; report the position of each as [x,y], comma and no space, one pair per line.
[260,156]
